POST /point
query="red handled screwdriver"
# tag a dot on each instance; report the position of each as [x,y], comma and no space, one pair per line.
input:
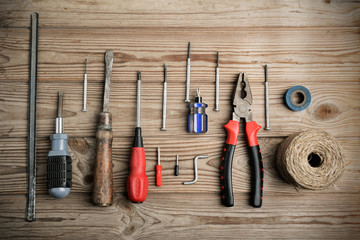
[137,182]
[158,170]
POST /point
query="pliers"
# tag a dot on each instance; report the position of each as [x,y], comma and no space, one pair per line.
[242,109]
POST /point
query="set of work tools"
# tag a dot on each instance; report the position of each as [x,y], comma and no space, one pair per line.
[59,164]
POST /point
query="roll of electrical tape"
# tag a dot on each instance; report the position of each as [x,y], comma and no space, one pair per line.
[303,95]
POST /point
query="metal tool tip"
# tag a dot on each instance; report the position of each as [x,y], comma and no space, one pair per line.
[60,104]
[139,75]
[198,92]
[265,69]
[109,53]
[163,129]
[189,50]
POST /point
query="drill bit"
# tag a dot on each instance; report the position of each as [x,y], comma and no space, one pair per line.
[217,84]
[177,166]
[188,76]
[85,87]
[164,100]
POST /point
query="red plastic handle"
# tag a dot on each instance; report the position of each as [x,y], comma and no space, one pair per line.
[137,182]
[232,129]
[158,175]
[251,131]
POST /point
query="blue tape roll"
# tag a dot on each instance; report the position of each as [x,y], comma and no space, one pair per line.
[306,98]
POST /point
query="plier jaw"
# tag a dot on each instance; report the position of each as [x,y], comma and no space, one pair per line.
[242,99]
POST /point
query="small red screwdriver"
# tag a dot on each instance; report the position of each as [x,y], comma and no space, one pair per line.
[158,170]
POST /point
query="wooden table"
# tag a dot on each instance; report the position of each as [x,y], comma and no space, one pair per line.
[311,43]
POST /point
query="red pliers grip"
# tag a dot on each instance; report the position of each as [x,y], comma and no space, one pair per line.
[227,196]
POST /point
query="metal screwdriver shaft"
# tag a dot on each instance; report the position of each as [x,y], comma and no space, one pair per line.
[85,87]
[158,170]
[138,100]
[267,118]
[188,76]
[164,100]
[217,84]
[59,119]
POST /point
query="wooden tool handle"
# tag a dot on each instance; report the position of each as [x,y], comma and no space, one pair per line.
[103,186]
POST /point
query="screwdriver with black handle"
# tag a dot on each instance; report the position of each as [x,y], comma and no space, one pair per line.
[137,182]
[103,177]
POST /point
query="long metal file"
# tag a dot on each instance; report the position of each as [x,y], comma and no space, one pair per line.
[31,150]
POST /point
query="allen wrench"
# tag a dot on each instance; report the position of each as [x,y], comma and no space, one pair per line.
[195,170]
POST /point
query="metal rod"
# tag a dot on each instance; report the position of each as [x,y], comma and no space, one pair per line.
[138,101]
[164,100]
[188,76]
[31,150]
[158,155]
[59,119]
[267,118]
[217,84]
[85,87]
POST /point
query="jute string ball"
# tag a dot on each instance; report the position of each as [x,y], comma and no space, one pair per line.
[311,159]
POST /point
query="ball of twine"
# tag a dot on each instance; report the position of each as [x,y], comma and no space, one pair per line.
[311,159]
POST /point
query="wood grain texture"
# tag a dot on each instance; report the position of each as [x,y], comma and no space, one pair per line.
[187,216]
[310,43]
[82,152]
[330,110]
[188,13]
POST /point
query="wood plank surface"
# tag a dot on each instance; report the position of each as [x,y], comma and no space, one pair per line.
[188,13]
[82,152]
[304,42]
[187,216]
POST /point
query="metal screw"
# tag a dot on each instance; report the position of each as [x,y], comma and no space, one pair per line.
[217,84]
[85,87]
[188,76]
[164,100]
[267,124]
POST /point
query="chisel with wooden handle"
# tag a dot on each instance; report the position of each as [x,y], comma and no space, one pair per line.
[103,177]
